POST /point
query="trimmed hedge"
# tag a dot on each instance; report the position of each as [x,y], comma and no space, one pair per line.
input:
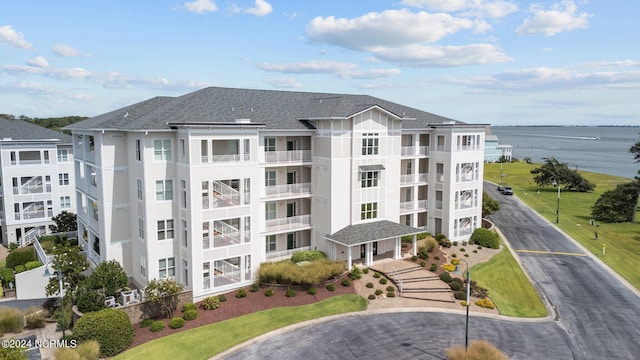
[309,255]
[176,323]
[156,326]
[110,327]
[21,256]
[32,265]
[485,237]
[190,314]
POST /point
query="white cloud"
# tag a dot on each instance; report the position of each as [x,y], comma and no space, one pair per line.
[262,8]
[388,28]
[623,63]
[482,8]
[442,56]
[284,82]
[38,61]
[309,67]
[8,36]
[559,18]
[116,80]
[41,89]
[200,6]
[67,51]
[369,74]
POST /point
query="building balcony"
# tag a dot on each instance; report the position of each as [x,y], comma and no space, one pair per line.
[288,223]
[287,190]
[412,151]
[407,179]
[285,254]
[287,156]
[411,206]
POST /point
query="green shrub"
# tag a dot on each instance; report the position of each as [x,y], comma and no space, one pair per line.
[454,255]
[423,252]
[433,267]
[466,255]
[11,320]
[456,285]
[446,277]
[391,288]
[455,243]
[371,297]
[188,306]
[365,271]
[308,255]
[331,287]
[254,287]
[436,257]
[383,281]
[21,256]
[110,327]
[32,265]
[475,251]
[268,293]
[157,326]
[88,300]
[65,353]
[423,235]
[210,303]
[346,282]
[376,275]
[222,298]
[485,237]
[190,314]
[460,295]
[241,293]
[369,285]
[463,249]
[8,276]
[423,263]
[176,322]
[312,291]
[19,268]
[391,294]
[288,273]
[88,350]
[146,323]
[414,258]
[378,292]
[290,293]
[355,273]
[431,244]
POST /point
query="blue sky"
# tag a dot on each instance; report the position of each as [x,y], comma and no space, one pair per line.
[498,62]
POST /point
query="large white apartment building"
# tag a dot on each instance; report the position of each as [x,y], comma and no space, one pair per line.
[36,180]
[207,186]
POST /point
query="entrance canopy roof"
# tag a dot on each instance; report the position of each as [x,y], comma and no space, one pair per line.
[369,232]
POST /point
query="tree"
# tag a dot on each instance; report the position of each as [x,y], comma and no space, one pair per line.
[617,205]
[65,221]
[164,292]
[489,205]
[554,172]
[635,150]
[108,276]
[70,261]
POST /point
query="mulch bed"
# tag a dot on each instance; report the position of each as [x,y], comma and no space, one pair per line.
[234,307]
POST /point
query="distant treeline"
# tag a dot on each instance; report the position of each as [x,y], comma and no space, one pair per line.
[56,123]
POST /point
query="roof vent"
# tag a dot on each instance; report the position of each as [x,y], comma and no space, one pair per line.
[243,121]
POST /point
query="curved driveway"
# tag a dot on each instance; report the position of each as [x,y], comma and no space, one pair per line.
[596,315]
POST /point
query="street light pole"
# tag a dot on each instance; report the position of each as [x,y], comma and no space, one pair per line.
[558,206]
[466,327]
[59,275]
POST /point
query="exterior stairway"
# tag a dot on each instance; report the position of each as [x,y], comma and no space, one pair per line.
[414,281]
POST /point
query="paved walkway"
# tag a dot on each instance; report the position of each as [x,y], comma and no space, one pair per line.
[415,282]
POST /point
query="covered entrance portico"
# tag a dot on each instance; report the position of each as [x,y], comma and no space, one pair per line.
[368,239]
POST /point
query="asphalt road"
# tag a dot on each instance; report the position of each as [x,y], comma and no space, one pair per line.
[594,316]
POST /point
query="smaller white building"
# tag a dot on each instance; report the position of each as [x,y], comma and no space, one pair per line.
[36,180]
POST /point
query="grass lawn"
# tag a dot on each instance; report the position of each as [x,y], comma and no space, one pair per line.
[509,288]
[209,340]
[622,240]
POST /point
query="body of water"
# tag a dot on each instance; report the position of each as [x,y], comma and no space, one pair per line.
[597,149]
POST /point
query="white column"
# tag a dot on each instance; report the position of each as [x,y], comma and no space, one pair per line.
[349,259]
[397,251]
[414,250]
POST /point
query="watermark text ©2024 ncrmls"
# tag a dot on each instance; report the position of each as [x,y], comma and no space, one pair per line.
[40,343]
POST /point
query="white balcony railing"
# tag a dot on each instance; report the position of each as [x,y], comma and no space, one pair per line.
[409,206]
[287,156]
[288,222]
[414,151]
[288,190]
[411,178]
[277,255]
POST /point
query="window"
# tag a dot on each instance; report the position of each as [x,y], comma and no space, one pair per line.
[164,190]
[185,234]
[138,150]
[143,266]
[183,150]
[270,210]
[269,144]
[63,179]
[162,149]
[206,274]
[368,211]
[63,155]
[165,229]
[270,178]
[271,243]
[183,198]
[65,202]
[185,269]
[370,144]
[369,178]
[166,268]
[140,193]
[141,228]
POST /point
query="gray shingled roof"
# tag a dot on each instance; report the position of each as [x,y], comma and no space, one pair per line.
[274,109]
[23,130]
[372,231]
